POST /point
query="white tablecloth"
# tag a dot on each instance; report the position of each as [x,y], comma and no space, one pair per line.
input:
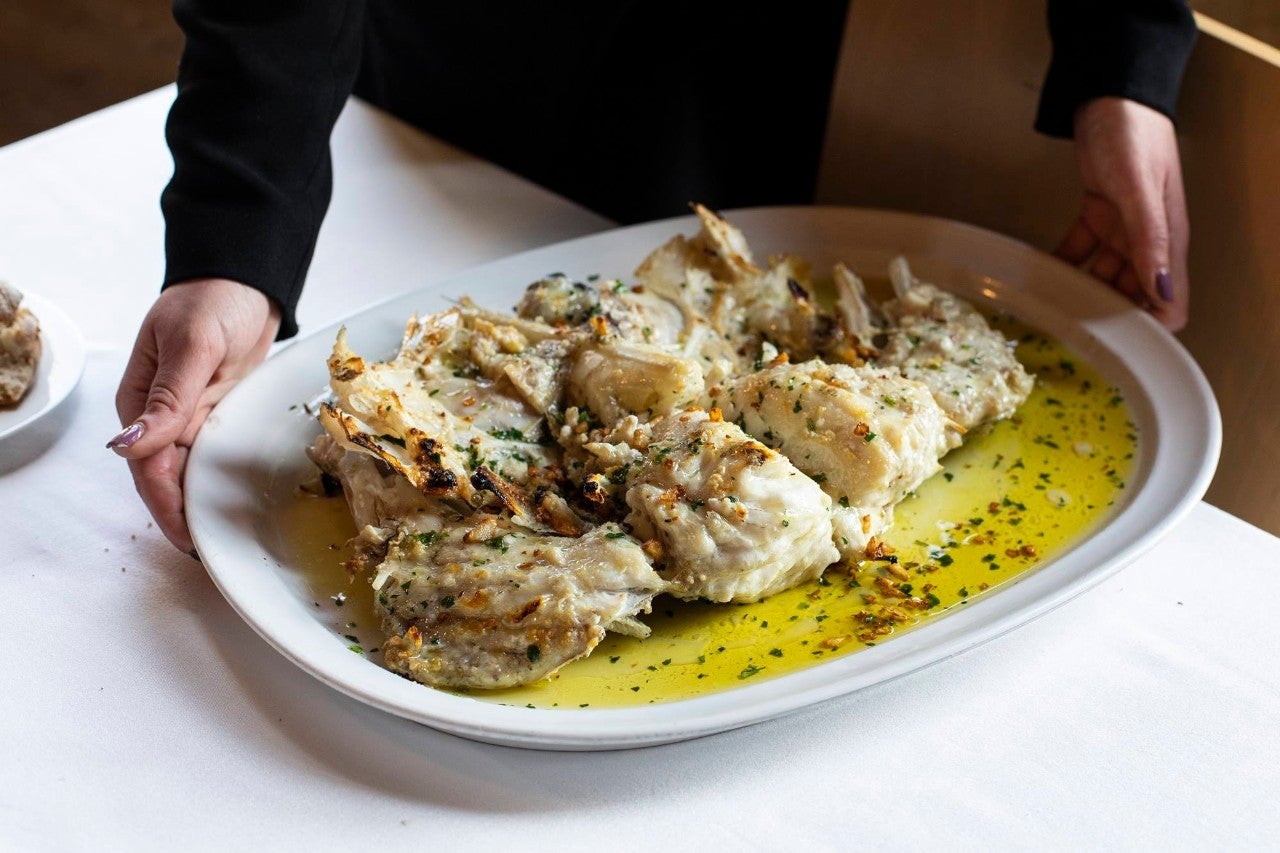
[138,712]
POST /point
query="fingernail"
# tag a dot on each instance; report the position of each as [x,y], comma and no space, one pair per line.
[1164,285]
[127,437]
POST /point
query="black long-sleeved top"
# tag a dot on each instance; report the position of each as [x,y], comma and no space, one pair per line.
[631,108]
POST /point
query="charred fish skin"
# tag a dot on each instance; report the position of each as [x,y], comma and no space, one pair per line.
[495,605]
[484,574]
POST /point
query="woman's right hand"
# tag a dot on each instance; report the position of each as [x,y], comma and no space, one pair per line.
[198,340]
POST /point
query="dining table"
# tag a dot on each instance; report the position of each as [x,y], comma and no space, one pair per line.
[138,711]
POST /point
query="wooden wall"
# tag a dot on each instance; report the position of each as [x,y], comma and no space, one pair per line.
[932,113]
[60,59]
[1258,18]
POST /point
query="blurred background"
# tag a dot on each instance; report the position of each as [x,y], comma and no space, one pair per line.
[60,60]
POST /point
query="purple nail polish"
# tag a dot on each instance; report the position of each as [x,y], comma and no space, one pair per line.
[127,437]
[1164,285]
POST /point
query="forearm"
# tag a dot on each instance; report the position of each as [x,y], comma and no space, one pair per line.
[1133,49]
[259,88]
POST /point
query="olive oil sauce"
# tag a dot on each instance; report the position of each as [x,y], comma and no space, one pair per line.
[1012,497]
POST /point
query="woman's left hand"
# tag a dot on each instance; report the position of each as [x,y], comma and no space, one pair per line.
[1132,229]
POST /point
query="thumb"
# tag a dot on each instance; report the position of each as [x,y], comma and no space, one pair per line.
[183,371]
[1146,223]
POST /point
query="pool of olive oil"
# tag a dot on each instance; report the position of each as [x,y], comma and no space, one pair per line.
[1012,497]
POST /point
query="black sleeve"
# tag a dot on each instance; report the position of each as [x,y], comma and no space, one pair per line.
[260,86]
[1135,49]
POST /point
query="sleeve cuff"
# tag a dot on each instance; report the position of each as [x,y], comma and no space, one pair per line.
[253,248]
[1135,50]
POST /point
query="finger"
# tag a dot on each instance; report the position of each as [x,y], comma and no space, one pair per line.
[1179,226]
[1128,284]
[1174,314]
[1107,266]
[182,374]
[1078,245]
[1115,239]
[200,415]
[131,396]
[158,479]
[1103,219]
[1146,223]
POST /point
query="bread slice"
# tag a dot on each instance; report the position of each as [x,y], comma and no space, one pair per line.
[19,346]
[10,299]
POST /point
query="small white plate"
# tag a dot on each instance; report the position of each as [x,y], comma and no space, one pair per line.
[58,372]
[252,448]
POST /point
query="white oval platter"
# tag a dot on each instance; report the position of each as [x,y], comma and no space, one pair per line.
[252,447]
